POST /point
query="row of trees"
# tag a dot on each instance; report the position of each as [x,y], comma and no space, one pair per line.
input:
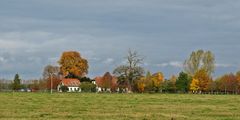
[196,76]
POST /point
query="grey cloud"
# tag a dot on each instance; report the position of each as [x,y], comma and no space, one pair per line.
[34,33]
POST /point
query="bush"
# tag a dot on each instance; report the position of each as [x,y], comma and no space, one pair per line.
[88,87]
[64,88]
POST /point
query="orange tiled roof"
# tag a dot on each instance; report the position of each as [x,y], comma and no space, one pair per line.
[71,82]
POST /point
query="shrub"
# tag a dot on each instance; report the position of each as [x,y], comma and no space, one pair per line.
[88,87]
[64,88]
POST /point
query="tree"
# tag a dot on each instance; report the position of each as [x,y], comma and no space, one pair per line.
[202,78]
[141,85]
[71,63]
[170,85]
[148,82]
[200,60]
[157,79]
[194,86]
[88,87]
[16,83]
[51,75]
[228,83]
[132,70]
[182,82]
[107,80]
[50,70]
[238,81]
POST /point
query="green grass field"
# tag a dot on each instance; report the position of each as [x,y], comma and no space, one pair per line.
[118,106]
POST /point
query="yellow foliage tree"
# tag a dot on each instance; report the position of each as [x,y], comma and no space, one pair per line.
[157,79]
[203,78]
[194,86]
[71,63]
[141,85]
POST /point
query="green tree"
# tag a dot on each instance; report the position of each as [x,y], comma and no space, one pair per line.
[200,60]
[183,82]
[170,85]
[88,87]
[16,83]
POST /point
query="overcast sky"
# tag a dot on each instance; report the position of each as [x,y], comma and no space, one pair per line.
[34,33]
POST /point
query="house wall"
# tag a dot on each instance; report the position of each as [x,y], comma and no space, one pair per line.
[74,89]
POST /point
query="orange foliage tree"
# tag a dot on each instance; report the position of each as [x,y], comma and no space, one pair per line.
[228,83]
[71,63]
[203,79]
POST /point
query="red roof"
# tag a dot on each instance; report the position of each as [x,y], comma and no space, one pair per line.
[71,82]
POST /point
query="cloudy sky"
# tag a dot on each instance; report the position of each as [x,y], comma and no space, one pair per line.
[34,33]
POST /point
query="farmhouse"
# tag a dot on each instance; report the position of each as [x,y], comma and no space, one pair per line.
[71,84]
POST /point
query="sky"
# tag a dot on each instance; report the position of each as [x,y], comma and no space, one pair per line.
[34,33]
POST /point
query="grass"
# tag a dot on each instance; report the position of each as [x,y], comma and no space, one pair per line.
[93,106]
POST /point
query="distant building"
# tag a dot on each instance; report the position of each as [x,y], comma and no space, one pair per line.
[71,84]
[106,83]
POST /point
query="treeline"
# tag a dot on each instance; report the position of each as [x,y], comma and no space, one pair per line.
[196,76]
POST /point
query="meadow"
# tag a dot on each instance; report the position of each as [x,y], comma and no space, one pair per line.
[94,106]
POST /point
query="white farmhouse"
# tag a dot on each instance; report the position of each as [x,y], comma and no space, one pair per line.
[71,84]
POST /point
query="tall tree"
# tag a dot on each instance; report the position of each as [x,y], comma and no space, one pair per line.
[71,63]
[183,82]
[107,80]
[132,70]
[50,70]
[51,76]
[16,83]
[200,60]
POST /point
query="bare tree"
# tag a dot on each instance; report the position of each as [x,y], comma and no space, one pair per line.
[51,74]
[132,70]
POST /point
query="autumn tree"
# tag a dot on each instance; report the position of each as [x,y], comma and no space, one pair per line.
[183,82]
[201,80]
[228,83]
[141,84]
[16,83]
[148,81]
[200,60]
[73,64]
[194,86]
[107,80]
[157,79]
[132,70]
[51,75]
[238,81]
